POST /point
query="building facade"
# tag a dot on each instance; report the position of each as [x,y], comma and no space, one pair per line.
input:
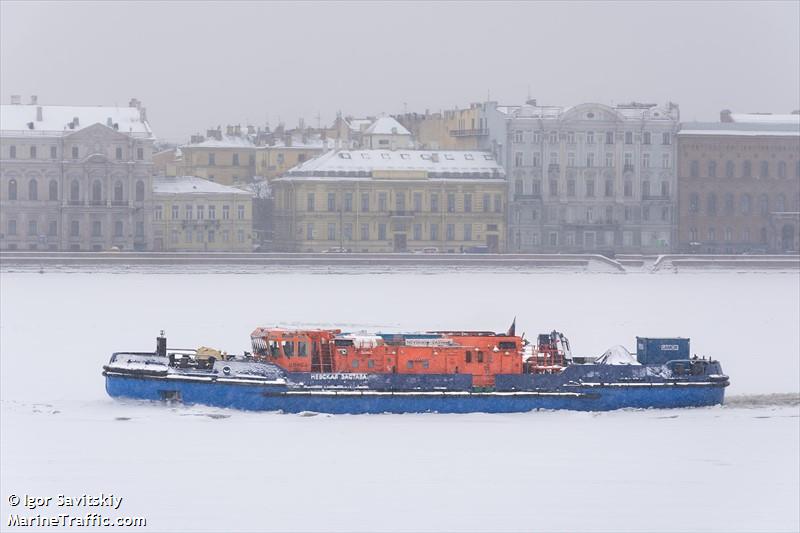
[75,177]
[392,201]
[227,158]
[591,178]
[739,183]
[192,214]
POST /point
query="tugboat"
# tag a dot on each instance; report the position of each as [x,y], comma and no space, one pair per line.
[331,371]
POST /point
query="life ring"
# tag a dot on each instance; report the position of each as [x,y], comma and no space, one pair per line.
[226,370]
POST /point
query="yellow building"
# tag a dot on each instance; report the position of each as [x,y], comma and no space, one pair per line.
[453,129]
[191,214]
[276,158]
[392,201]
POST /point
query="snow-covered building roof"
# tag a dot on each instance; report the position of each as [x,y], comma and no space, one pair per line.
[191,185]
[363,163]
[358,124]
[226,141]
[631,111]
[766,118]
[57,120]
[741,129]
[386,126]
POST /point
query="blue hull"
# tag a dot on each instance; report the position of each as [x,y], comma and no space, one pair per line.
[596,397]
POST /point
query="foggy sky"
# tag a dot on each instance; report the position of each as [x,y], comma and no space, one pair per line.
[197,65]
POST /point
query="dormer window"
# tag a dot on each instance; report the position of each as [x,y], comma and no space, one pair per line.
[364,155]
[405,156]
[427,157]
[488,157]
[469,157]
[344,155]
[449,157]
[385,156]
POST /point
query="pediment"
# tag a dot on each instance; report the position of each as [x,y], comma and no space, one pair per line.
[592,112]
[95,132]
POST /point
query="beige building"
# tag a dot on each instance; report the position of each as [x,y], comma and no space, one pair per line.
[192,214]
[75,177]
[228,158]
[739,184]
[452,129]
[392,201]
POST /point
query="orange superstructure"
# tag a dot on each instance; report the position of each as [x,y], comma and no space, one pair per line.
[479,353]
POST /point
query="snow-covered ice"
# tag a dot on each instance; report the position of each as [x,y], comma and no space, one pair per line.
[732,468]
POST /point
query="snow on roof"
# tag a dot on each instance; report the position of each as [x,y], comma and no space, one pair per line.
[191,185]
[766,118]
[227,141]
[763,129]
[352,161]
[56,119]
[358,124]
[387,126]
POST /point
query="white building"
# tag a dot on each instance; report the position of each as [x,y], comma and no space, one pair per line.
[75,177]
[387,134]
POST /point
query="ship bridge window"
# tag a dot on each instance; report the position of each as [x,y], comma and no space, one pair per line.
[425,363]
[480,356]
[355,363]
[288,348]
[343,342]
[302,348]
[370,363]
[274,349]
[409,364]
[468,356]
[508,346]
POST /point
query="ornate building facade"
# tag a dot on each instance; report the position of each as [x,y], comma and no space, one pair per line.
[75,177]
[739,182]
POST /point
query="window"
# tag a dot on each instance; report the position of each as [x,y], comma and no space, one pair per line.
[382,201]
[97,192]
[74,152]
[729,204]
[609,189]
[609,160]
[764,169]
[467,203]
[780,206]
[747,169]
[310,232]
[140,191]
[590,188]
[12,152]
[517,159]
[571,159]
[450,234]
[694,202]
[729,169]
[75,228]
[381,232]
[487,203]
[119,153]
[201,212]
[173,238]
[646,213]
[212,212]
[331,201]
[645,160]
[348,201]
[140,154]
[571,137]
[589,137]
[364,232]
[158,213]
[52,228]
[118,228]
[211,235]
[665,161]
[666,138]
[467,232]
[32,152]
[309,202]
[140,229]
[745,204]
[480,356]
[187,236]
[236,160]
[212,159]
[646,137]
[498,203]
[553,137]
[628,137]
[434,202]
[348,232]
[712,234]
[417,200]
[12,227]
[553,160]
[628,189]
[53,152]
[628,161]
[590,160]
[711,204]
[400,201]
[33,190]
[74,191]
[240,235]
[240,212]
[451,202]
[189,215]
[174,212]
[365,202]
[570,188]
[537,159]
[33,228]
[712,169]
[664,188]
[434,231]
[553,187]
[781,169]
[645,189]
[609,137]
[694,168]
[517,136]
[97,228]
[763,205]
[417,232]
[226,212]
[53,192]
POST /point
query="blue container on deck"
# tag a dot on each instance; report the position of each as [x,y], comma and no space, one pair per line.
[657,351]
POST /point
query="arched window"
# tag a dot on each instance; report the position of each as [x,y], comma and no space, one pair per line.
[97,192]
[694,204]
[75,191]
[118,192]
[645,188]
[780,206]
[747,169]
[744,204]
[728,234]
[781,169]
[33,190]
[140,191]
[711,204]
[664,188]
[729,169]
[12,189]
[729,204]
[53,190]
[763,204]
[764,169]
[694,168]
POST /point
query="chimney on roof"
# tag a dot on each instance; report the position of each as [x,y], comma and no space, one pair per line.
[76,121]
[229,130]
[109,122]
[16,99]
[725,116]
[38,113]
[251,129]
[30,125]
[143,114]
[34,99]
[287,140]
[238,130]
[531,101]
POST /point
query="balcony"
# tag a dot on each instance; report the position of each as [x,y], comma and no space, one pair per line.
[628,168]
[469,133]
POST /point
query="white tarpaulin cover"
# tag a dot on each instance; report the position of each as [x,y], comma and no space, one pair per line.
[617,355]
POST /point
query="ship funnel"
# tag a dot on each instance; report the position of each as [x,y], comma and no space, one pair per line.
[161,345]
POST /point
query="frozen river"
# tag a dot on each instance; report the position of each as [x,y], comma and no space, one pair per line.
[732,468]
